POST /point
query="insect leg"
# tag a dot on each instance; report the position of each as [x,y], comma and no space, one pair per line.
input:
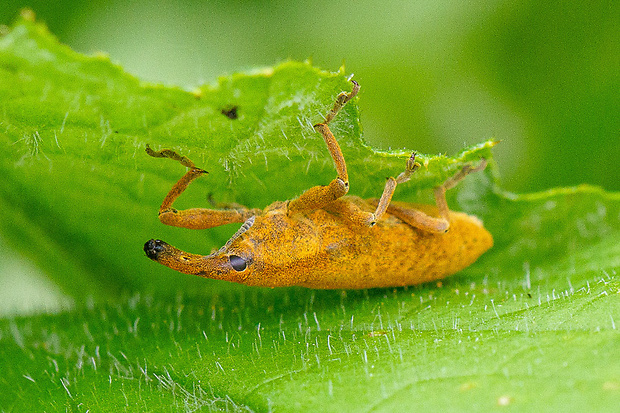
[318,196]
[440,191]
[417,218]
[413,217]
[168,153]
[352,212]
[194,218]
[342,100]
[390,185]
[357,216]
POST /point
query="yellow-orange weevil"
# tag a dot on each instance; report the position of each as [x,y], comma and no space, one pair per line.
[324,239]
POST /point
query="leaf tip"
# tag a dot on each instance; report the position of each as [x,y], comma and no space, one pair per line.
[341,69]
[198,93]
[27,14]
[101,55]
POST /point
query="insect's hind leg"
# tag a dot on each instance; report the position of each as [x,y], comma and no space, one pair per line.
[440,191]
[193,218]
[319,196]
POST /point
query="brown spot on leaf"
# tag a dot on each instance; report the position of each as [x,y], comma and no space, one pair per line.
[230,112]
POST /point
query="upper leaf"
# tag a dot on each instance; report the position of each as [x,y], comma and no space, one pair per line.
[84,194]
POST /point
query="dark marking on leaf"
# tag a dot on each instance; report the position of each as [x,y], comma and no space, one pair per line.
[231,112]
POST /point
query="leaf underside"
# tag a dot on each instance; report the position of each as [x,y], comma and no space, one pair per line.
[532,324]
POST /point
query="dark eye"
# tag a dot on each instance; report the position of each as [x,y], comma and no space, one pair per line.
[238,263]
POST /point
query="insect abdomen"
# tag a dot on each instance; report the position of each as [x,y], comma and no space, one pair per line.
[395,254]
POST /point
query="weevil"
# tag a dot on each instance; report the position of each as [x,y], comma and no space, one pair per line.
[326,239]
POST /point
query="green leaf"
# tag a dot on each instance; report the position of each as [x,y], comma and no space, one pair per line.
[83,195]
[532,324]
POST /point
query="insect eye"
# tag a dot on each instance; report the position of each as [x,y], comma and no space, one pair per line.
[238,263]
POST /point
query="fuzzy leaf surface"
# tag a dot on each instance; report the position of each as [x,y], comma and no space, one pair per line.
[531,326]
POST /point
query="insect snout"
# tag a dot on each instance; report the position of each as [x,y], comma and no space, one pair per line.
[154,247]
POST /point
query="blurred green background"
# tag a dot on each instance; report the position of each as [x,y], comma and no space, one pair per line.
[543,77]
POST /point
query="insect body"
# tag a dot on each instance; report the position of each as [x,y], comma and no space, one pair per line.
[325,239]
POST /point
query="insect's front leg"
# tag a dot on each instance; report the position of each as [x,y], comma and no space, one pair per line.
[194,218]
[319,196]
